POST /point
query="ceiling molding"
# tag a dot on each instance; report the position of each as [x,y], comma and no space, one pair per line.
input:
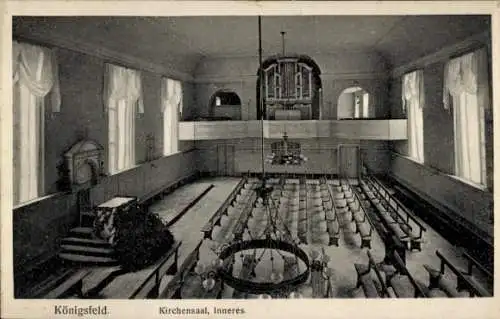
[207,79]
[443,54]
[108,55]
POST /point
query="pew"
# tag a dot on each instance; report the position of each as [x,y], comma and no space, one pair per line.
[387,219]
[465,279]
[215,219]
[67,283]
[366,280]
[246,271]
[157,193]
[402,279]
[364,225]
[144,283]
[172,290]
[415,239]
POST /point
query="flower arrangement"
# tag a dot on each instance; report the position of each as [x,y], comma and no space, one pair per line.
[142,238]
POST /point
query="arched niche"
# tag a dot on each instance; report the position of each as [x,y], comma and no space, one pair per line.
[354,103]
[292,86]
[225,105]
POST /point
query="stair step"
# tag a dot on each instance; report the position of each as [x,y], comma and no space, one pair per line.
[85,241]
[88,249]
[89,214]
[87,259]
[86,232]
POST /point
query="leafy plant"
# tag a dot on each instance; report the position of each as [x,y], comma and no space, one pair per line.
[142,238]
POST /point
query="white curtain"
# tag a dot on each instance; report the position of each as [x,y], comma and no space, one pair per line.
[466,90]
[413,103]
[123,98]
[35,77]
[171,96]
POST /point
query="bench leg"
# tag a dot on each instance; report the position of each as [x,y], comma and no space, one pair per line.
[434,281]
[366,242]
[461,286]
[334,241]
[207,234]
[415,244]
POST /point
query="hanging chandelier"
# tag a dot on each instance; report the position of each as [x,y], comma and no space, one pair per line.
[285,153]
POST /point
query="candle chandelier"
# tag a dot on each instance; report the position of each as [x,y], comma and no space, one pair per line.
[285,153]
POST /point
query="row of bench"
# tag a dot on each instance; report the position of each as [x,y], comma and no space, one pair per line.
[390,218]
[413,226]
[216,217]
[390,280]
[466,280]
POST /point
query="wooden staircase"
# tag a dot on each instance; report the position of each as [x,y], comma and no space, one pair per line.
[81,246]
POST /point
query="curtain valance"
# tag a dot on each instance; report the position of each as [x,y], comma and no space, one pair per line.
[413,88]
[171,93]
[469,74]
[123,84]
[36,68]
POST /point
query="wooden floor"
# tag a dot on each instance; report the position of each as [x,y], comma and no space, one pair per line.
[187,230]
[343,257]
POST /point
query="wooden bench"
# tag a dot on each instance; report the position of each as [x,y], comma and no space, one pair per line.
[402,279]
[68,282]
[333,226]
[215,219]
[172,290]
[247,269]
[415,239]
[243,219]
[465,279]
[167,188]
[388,219]
[364,224]
[366,280]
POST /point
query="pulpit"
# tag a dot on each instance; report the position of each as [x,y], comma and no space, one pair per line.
[105,214]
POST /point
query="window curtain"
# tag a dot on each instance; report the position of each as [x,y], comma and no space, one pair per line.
[35,79]
[413,104]
[466,92]
[171,96]
[123,98]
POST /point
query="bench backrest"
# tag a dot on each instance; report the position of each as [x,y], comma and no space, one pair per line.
[408,213]
[373,265]
[401,268]
[478,291]
[473,262]
[175,283]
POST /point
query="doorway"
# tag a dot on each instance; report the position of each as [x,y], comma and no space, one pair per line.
[349,161]
[225,160]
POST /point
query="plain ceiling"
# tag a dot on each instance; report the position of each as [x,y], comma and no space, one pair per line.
[399,39]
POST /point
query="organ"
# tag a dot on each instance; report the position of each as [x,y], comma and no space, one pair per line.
[288,89]
[291,88]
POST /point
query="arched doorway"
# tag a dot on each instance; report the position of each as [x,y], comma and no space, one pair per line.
[225,104]
[291,88]
[354,103]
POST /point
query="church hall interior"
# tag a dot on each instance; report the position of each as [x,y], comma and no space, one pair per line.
[240,157]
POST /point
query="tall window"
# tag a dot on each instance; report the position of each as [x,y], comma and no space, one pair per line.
[413,103]
[35,79]
[171,96]
[123,100]
[466,91]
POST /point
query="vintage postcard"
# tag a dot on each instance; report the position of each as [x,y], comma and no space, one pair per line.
[199,159]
